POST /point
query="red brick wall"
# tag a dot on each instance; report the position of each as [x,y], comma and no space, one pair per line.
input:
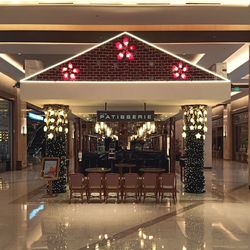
[101,64]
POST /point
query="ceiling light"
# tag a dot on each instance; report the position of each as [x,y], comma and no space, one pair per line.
[11,61]
[238,58]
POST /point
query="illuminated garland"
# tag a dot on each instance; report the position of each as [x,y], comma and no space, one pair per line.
[195,117]
[56,120]
[56,145]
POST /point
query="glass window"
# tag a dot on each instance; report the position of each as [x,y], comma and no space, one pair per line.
[5,135]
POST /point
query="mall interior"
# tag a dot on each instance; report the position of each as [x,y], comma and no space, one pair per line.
[124,124]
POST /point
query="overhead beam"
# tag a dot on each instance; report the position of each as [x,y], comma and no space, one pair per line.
[124,27]
[41,36]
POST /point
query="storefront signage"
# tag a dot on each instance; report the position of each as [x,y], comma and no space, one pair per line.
[112,116]
[35,116]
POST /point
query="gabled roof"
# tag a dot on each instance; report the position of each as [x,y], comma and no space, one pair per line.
[101,63]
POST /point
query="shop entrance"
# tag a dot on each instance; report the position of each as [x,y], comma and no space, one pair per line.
[141,143]
[126,71]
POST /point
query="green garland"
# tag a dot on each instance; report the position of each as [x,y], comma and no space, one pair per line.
[56,147]
[194,134]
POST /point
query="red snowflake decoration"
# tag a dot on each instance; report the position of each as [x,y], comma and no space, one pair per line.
[69,72]
[180,71]
[125,49]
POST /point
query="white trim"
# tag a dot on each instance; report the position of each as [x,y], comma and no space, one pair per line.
[125,82]
[137,38]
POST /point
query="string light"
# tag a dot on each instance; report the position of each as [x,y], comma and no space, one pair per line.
[55,120]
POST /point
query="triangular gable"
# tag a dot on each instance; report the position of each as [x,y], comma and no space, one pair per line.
[140,61]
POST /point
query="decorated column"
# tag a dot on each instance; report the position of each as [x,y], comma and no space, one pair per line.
[195,117]
[56,129]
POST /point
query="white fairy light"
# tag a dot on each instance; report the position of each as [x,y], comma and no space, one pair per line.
[191,127]
[198,136]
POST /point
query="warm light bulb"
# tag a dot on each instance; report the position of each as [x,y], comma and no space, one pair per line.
[66,130]
[198,136]
[184,135]
[50,136]
[120,56]
[125,41]
[153,128]
[118,45]
[45,128]
[101,125]
[60,129]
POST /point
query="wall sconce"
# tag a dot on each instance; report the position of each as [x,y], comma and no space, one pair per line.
[24,126]
[224,130]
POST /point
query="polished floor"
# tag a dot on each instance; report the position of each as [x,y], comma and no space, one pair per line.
[218,219]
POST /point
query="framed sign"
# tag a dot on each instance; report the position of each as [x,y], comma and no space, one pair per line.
[112,116]
[50,167]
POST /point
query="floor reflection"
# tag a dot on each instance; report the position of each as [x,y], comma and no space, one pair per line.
[217,219]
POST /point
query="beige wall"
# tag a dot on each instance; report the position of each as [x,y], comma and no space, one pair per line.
[19,111]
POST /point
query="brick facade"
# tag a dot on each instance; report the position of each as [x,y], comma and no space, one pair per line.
[101,64]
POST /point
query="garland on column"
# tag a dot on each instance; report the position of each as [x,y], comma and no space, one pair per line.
[56,129]
[195,117]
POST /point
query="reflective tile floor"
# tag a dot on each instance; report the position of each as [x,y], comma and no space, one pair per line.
[218,219]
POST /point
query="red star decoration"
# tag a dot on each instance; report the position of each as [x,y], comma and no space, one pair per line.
[125,49]
[180,71]
[69,72]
